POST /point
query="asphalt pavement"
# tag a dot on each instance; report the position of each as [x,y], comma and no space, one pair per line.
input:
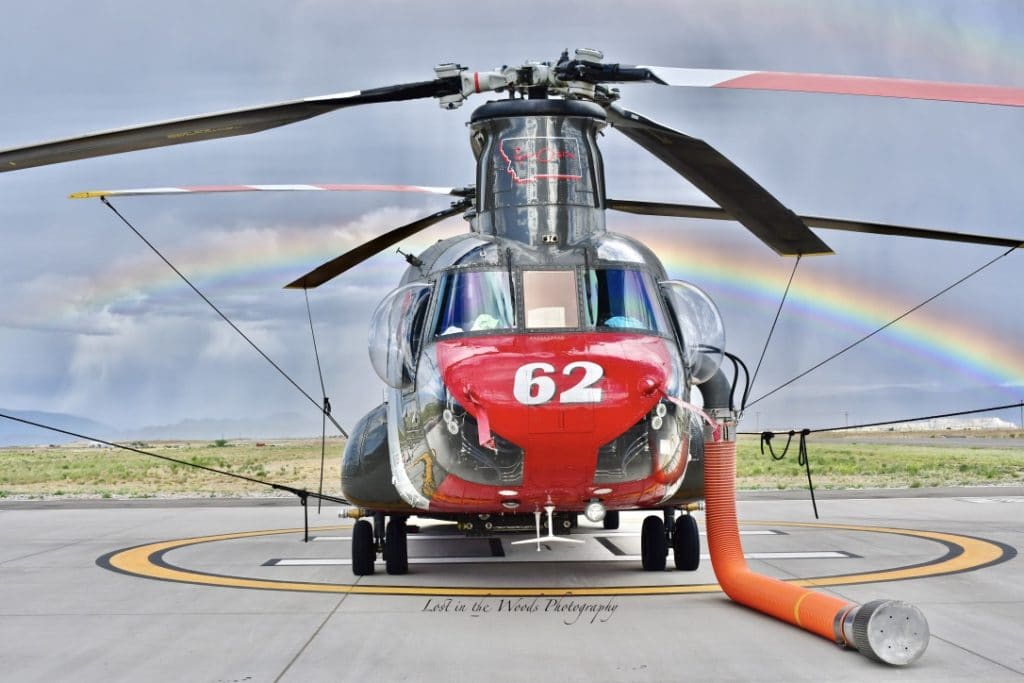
[221,590]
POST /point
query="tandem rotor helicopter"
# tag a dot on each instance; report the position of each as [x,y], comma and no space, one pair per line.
[539,367]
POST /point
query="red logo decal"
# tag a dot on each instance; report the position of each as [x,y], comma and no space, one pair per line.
[530,159]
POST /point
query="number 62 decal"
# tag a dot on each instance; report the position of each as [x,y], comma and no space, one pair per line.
[534,386]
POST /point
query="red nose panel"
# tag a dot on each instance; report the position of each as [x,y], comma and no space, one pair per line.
[560,397]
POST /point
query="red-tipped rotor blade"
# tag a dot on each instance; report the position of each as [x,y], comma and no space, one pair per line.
[839,85]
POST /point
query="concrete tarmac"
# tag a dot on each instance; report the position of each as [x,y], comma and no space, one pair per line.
[194,592]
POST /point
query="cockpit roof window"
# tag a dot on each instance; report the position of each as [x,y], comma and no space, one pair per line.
[550,299]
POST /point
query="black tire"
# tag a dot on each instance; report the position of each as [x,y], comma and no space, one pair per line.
[653,544]
[611,520]
[686,544]
[364,550]
[396,547]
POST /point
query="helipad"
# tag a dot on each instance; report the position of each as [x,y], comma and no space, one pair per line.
[228,591]
[952,553]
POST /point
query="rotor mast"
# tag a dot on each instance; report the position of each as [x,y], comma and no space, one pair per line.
[540,177]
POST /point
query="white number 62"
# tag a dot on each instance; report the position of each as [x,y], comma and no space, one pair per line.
[533,386]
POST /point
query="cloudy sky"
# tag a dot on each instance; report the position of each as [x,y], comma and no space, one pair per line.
[92,324]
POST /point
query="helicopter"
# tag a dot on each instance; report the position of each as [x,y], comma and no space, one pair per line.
[540,367]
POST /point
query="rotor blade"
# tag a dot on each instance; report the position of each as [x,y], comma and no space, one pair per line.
[208,189]
[213,126]
[833,84]
[724,182]
[340,264]
[715,213]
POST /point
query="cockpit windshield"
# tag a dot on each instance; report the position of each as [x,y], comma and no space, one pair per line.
[475,301]
[622,298]
[605,299]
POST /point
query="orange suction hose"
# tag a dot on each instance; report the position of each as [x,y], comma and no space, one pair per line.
[890,631]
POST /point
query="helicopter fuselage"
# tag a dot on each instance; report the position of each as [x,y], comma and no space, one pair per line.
[529,381]
[537,360]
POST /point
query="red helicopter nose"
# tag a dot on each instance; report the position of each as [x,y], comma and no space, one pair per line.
[559,397]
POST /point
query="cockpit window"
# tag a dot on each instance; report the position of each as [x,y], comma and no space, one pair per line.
[549,299]
[475,301]
[622,298]
[614,299]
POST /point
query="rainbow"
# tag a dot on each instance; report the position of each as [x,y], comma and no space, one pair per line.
[252,259]
[759,278]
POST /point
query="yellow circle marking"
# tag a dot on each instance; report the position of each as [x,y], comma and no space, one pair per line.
[976,552]
[139,561]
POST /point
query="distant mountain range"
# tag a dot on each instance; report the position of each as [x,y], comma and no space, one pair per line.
[280,425]
[860,408]
[802,409]
[19,434]
[946,423]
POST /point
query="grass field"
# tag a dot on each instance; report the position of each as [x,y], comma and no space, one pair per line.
[869,461]
[106,472]
[883,462]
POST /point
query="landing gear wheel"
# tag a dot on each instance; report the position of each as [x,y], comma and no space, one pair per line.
[364,549]
[611,520]
[686,544]
[396,547]
[653,544]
